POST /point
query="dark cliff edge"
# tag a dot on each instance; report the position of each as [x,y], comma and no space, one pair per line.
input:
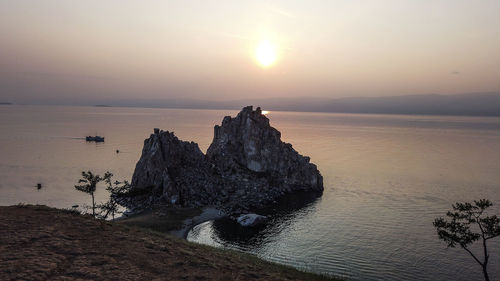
[247,166]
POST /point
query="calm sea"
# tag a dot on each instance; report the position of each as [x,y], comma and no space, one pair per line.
[386,178]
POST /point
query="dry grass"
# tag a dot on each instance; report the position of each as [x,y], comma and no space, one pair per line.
[41,243]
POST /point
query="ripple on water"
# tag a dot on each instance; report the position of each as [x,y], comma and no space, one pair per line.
[387,237]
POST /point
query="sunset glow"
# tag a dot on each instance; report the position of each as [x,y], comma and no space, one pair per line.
[265,53]
[378,151]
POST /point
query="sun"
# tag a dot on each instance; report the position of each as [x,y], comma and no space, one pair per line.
[265,53]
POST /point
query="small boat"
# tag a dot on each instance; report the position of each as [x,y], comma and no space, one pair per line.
[96,138]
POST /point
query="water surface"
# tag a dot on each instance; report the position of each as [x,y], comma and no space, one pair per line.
[386,178]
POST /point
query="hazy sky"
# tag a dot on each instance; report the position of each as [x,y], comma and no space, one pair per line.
[118,49]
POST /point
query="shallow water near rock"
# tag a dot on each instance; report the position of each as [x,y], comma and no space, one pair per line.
[386,178]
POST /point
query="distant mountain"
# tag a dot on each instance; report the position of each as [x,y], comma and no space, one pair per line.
[480,104]
[473,104]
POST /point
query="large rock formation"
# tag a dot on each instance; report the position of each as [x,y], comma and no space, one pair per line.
[174,171]
[247,165]
[247,143]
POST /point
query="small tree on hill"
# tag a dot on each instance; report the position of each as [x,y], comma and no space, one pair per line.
[458,231]
[115,189]
[88,184]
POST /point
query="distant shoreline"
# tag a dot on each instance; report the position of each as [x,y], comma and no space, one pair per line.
[468,104]
[267,108]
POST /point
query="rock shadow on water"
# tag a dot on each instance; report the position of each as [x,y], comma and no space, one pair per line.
[281,214]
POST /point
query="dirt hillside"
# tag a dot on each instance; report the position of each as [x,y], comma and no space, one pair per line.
[41,243]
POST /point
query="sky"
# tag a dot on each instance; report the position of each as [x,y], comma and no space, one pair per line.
[95,50]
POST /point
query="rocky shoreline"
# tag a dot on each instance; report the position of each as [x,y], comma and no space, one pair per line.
[247,166]
[208,214]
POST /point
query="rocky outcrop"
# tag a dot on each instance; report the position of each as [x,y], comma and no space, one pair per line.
[251,220]
[174,171]
[247,143]
[247,165]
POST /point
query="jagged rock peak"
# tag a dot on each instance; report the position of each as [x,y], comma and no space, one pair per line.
[172,168]
[248,141]
[245,139]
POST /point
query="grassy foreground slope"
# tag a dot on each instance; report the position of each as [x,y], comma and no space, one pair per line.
[42,243]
